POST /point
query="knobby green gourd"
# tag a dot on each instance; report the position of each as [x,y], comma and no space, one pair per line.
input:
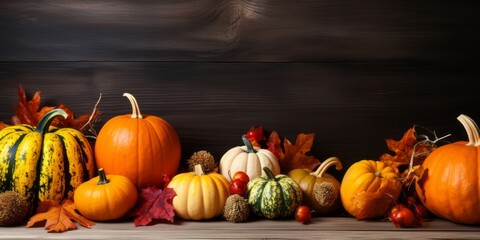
[43,162]
[273,196]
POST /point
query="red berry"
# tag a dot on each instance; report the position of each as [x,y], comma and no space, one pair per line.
[237,186]
[303,214]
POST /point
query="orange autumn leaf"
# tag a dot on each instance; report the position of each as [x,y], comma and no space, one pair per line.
[58,218]
[293,155]
[30,112]
[375,204]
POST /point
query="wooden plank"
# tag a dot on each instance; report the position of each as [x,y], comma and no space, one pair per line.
[327,227]
[443,32]
[352,108]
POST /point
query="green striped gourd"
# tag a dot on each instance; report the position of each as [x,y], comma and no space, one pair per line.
[273,196]
[43,162]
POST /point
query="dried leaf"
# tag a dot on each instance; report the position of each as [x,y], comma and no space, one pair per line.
[293,156]
[375,204]
[154,203]
[59,218]
[29,112]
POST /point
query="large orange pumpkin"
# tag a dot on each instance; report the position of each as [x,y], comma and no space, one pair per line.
[450,184]
[140,147]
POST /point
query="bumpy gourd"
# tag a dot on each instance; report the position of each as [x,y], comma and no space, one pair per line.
[44,163]
[273,196]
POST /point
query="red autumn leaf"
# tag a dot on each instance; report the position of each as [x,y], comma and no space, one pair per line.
[293,156]
[58,218]
[154,203]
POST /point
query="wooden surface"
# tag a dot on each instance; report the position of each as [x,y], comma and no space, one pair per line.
[320,228]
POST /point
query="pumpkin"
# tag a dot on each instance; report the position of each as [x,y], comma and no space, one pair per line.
[140,147]
[273,196]
[44,163]
[105,197]
[308,180]
[368,188]
[450,184]
[248,159]
[199,196]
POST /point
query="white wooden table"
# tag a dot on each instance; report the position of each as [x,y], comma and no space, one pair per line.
[320,228]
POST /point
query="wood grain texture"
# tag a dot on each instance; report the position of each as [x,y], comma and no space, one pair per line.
[320,228]
[444,32]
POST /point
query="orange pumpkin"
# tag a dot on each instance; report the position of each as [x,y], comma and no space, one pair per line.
[368,188]
[105,197]
[140,147]
[450,184]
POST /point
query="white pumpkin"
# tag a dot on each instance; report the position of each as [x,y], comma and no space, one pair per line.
[248,159]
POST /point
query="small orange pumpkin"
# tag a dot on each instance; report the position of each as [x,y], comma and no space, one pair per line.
[450,184]
[140,147]
[105,198]
[368,188]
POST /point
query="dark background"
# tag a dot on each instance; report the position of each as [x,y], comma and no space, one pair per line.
[352,73]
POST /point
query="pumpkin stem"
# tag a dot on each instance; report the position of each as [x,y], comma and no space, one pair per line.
[269,173]
[247,143]
[135,109]
[198,170]
[326,165]
[471,128]
[102,178]
[44,123]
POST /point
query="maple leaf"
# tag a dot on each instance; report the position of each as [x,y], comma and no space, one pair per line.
[293,156]
[153,203]
[30,112]
[375,204]
[59,218]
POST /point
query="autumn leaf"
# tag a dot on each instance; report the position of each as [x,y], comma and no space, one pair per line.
[375,204]
[30,112]
[293,156]
[59,218]
[153,203]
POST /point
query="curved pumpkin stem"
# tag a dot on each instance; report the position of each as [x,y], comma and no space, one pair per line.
[44,123]
[471,128]
[198,170]
[102,177]
[269,173]
[326,165]
[135,109]
[247,143]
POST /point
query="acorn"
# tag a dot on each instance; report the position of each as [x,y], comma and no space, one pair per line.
[13,209]
[236,209]
[203,158]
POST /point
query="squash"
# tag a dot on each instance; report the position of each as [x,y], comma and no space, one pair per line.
[43,163]
[273,196]
[450,184]
[199,196]
[368,188]
[140,147]
[248,159]
[105,197]
[308,180]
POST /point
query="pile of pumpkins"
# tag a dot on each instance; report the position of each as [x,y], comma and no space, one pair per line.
[136,151]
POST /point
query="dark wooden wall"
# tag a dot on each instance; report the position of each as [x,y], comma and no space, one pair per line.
[353,73]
